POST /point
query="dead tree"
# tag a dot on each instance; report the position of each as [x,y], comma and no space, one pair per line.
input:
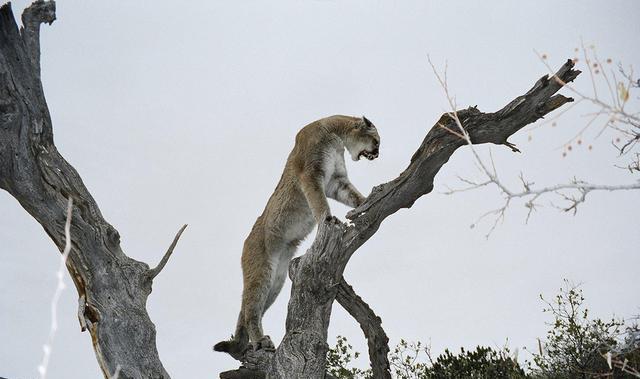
[113,287]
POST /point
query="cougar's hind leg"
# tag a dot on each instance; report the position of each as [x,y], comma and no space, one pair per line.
[241,336]
[258,273]
[254,300]
[281,269]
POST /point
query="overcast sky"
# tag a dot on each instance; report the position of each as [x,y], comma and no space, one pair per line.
[185,113]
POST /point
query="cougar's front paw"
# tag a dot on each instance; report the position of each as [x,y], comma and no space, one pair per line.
[264,344]
[332,220]
[358,200]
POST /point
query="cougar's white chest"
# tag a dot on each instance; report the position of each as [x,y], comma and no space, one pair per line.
[333,164]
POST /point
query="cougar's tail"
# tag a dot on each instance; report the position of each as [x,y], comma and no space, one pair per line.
[238,344]
[234,348]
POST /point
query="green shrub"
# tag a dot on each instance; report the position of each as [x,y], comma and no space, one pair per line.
[576,346]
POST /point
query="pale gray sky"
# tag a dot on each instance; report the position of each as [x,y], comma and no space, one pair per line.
[185,113]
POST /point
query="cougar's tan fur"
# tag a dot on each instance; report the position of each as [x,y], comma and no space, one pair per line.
[315,170]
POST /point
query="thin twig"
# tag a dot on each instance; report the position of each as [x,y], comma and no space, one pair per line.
[580,188]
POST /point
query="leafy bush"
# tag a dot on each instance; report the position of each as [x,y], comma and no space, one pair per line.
[413,361]
[340,357]
[482,363]
[576,346]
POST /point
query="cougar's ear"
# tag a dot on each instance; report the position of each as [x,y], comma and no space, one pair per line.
[368,124]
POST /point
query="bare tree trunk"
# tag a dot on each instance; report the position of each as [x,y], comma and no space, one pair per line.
[113,288]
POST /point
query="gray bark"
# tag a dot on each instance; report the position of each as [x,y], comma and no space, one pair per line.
[112,287]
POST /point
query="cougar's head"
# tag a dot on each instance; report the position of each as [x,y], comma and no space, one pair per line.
[363,140]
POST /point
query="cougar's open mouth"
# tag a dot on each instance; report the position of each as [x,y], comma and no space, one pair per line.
[368,154]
